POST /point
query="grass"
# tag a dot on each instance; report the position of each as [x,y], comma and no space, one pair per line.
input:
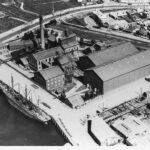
[44,7]
[8,23]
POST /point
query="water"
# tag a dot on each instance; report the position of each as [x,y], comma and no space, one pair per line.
[18,130]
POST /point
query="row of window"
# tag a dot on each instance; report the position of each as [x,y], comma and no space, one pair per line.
[4,47]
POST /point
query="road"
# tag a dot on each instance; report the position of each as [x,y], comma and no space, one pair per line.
[98,35]
[35,24]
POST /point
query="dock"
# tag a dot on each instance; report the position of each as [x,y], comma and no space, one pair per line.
[72,123]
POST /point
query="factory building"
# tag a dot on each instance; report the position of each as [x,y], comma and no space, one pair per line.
[35,60]
[106,56]
[50,78]
[69,43]
[113,75]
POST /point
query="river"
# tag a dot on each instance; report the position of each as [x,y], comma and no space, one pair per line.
[18,130]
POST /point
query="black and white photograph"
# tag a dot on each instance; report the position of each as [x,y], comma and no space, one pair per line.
[75,74]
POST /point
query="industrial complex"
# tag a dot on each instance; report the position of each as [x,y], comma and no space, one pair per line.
[85,69]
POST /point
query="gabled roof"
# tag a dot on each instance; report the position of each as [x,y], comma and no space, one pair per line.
[47,53]
[123,66]
[112,54]
[51,72]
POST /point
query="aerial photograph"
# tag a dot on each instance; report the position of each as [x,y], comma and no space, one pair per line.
[75,73]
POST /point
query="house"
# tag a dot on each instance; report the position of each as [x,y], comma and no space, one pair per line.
[113,75]
[50,78]
[106,56]
[35,60]
[69,43]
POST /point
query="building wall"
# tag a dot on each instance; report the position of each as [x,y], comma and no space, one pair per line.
[4,49]
[126,78]
[55,83]
[72,49]
[33,63]
[40,80]
[93,80]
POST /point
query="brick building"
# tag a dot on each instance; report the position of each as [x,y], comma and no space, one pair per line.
[50,78]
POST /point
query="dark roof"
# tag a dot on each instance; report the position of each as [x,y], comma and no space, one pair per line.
[51,72]
[47,53]
[112,54]
[65,59]
[112,70]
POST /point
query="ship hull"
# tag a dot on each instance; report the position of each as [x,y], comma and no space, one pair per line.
[23,110]
[12,103]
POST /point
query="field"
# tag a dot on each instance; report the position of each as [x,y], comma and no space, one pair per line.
[44,7]
[8,23]
[31,10]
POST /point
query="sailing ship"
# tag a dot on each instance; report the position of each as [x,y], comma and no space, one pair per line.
[23,103]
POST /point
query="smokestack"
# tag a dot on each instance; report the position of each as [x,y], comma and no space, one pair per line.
[89,123]
[42,32]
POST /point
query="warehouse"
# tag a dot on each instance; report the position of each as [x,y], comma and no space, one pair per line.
[106,56]
[113,75]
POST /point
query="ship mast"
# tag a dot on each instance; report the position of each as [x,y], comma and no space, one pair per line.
[12,82]
[26,92]
[38,101]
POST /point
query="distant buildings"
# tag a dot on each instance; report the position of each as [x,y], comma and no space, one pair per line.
[35,60]
[51,78]
[115,74]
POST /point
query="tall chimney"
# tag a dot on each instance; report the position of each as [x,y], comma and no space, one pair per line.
[42,32]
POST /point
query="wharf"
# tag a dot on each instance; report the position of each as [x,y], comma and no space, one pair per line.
[70,121]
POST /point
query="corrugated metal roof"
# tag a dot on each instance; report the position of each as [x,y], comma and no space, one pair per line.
[51,72]
[47,53]
[112,54]
[123,66]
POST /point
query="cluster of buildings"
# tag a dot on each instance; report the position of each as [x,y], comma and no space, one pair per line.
[128,21]
[55,66]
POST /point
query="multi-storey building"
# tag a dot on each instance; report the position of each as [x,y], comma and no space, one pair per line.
[35,60]
[51,78]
